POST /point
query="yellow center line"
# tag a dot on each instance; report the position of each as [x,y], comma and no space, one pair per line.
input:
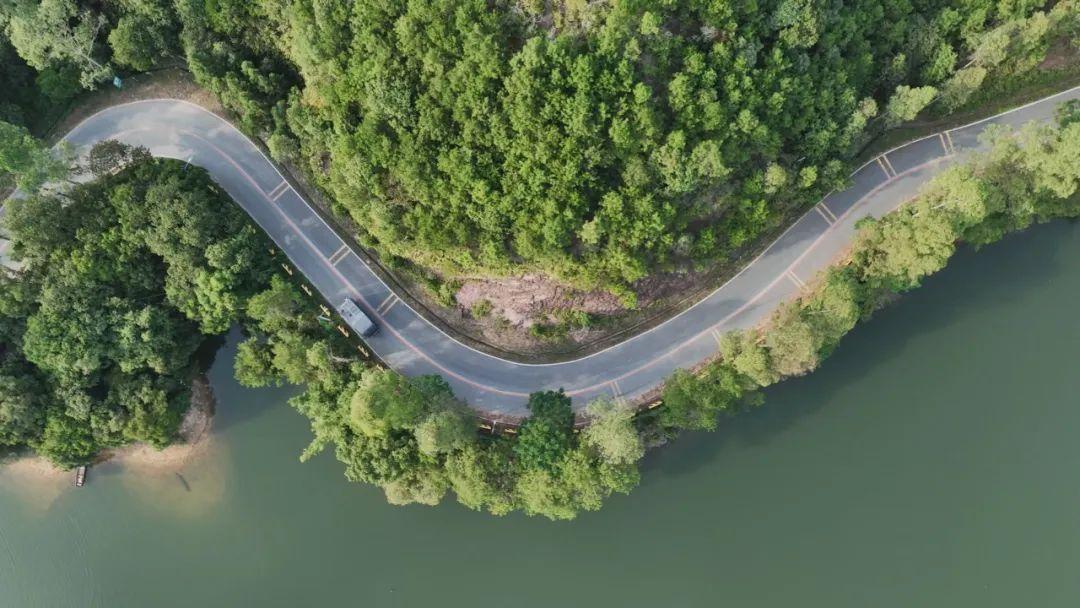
[456,375]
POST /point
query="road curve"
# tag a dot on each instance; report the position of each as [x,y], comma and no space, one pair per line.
[627,370]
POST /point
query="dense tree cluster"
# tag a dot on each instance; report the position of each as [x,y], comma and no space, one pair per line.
[1029,176]
[593,141]
[598,143]
[26,161]
[122,280]
[414,439]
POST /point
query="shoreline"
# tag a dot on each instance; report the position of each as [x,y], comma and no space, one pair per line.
[194,438]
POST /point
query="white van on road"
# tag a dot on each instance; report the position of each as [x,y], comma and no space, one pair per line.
[356,318]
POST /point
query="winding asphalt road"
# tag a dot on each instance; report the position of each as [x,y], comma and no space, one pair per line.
[628,370]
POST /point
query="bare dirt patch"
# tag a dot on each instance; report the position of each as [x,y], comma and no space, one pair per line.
[526,299]
[519,303]
[1062,54]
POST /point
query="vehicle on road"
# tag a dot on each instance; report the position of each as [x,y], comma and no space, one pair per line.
[356,318]
[498,382]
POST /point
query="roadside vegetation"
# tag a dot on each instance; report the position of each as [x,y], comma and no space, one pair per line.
[413,438]
[122,280]
[594,142]
[416,440]
[124,277]
[1026,177]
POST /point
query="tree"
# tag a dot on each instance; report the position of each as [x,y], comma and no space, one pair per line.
[1069,113]
[22,411]
[546,434]
[385,401]
[960,87]
[144,34]
[906,103]
[150,416]
[834,308]
[59,82]
[798,22]
[275,309]
[540,492]
[611,432]
[28,159]
[254,364]
[793,344]
[462,124]
[692,402]
[578,483]
[37,226]
[748,357]
[94,352]
[48,32]
[425,486]
[65,441]
[109,156]
[482,478]
[915,242]
[152,338]
[289,356]
[444,431]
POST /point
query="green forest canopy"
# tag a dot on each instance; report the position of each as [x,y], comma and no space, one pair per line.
[595,141]
[123,279]
[591,141]
[411,436]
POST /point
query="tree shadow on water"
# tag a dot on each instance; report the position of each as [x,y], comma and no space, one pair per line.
[235,404]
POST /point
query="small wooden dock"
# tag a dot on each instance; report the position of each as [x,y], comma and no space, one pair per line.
[80,477]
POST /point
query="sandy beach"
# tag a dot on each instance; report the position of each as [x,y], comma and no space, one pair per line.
[40,483]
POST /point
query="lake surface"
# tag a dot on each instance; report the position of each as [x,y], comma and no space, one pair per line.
[932,461]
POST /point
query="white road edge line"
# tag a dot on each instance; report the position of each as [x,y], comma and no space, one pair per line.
[655,327]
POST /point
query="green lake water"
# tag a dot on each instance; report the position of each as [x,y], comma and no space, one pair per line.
[932,461]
